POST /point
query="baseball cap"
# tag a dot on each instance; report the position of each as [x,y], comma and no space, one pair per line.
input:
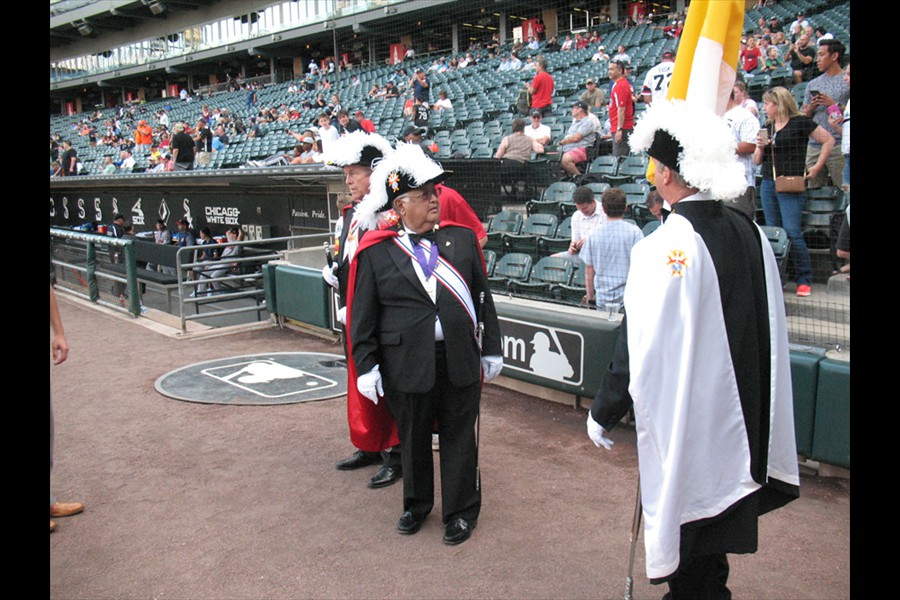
[308,140]
[580,104]
[536,113]
[669,54]
[412,130]
[589,81]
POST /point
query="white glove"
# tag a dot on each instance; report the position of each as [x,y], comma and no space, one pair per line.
[342,315]
[491,365]
[369,384]
[596,433]
[329,276]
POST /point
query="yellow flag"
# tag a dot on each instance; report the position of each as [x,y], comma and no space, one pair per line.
[706,65]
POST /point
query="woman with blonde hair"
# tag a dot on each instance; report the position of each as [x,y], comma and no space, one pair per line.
[781,150]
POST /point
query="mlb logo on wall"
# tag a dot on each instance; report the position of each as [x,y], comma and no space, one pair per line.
[544,351]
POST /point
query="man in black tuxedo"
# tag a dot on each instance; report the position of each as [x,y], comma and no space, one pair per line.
[418,299]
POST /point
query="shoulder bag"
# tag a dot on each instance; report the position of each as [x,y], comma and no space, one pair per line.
[793,184]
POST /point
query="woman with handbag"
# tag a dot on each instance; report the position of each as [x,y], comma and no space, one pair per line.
[781,150]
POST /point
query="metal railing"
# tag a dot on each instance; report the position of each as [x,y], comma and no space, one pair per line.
[78,255]
[202,283]
[104,270]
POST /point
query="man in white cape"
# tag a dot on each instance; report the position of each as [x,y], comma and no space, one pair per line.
[703,356]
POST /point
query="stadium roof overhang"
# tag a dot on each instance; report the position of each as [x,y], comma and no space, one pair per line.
[121,22]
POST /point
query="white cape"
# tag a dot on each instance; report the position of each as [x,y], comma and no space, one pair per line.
[692,441]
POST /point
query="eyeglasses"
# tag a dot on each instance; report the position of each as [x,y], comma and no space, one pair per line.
[423,194]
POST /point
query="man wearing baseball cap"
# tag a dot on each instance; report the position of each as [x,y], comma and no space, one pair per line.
[414,135]
[536,130]
[367,124]
[593,96]
[656,83]
[581,135]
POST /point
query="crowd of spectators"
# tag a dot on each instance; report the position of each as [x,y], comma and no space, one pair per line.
[136,133]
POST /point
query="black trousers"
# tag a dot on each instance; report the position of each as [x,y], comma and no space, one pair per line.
[704,578]
[456,411]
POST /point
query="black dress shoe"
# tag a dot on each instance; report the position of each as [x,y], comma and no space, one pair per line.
[385,477]
[409,523]
[459,530]
[358,460]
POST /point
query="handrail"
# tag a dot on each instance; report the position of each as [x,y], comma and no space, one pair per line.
[187,264]
[92,276]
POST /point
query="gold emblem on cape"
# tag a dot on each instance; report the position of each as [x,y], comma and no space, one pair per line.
[677,262]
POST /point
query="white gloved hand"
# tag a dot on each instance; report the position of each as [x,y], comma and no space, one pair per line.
[491,365]
[369,384]
[596,433]
[342,315]
[329,276]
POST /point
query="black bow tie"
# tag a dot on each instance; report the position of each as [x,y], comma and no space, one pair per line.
[417,237]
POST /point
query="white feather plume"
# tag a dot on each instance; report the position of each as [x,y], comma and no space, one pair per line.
[708,161]
[408,159]
[347,150]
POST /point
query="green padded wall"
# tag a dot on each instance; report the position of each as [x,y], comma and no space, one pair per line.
[302,295]
[831,441]
[805,379]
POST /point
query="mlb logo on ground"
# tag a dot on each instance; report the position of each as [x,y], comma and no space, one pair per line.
[269,379]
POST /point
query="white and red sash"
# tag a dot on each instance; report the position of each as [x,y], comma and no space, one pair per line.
[446,274]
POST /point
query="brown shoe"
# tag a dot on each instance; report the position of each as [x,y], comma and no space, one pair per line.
[65,509]
[52,525]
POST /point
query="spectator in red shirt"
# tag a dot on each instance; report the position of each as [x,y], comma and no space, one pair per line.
[367,124]
[621,108]
[541,87]
[751,56]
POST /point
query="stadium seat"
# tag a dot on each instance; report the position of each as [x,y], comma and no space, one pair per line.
[650,226]
[561,191]
[635,193]
[535,226]
[781,245]
[546,207]
[606,167]
[573,292]
[759,84]
[559,242]
[634,168]
[490,261]
[567,209]
[549,273]
[513,266]
[598,189]
[503,222]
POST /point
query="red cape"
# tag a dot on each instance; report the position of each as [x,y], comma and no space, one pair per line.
[372,427]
